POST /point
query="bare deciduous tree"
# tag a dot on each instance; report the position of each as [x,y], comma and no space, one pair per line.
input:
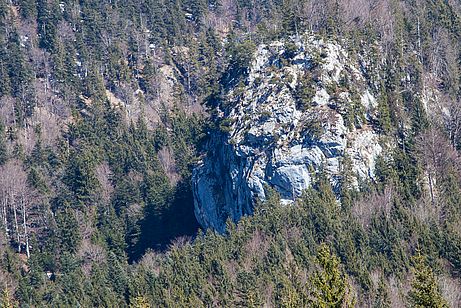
[451,290]
[375,202]
[438,158]
[16,200]
[450,116]
[166,158]
[443,59]
[355,12]
[7,110]
[103,174]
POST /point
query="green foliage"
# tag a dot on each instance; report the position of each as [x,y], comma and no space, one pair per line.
[67,228]
[6,301]
[3,149]
[81,178]
[382,296]
[19,71]
[28,9]
[384,116]
[330,286]
[305,91]
[139,302]
[241,54]
[114,181]
[48,16]
[290,50]
[5,83]
[425,291]
[36,180]
[226,125]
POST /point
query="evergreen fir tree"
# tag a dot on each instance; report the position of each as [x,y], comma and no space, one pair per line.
[330,286]
[5,85]
[67,228]
[48,16]
[6,300]
[19,70]
[425,292]
[384,117]
[3,149]
[382,297]
[139,302]
[28,9]
[80,177]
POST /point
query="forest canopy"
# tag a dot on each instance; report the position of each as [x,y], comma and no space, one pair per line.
[105,106]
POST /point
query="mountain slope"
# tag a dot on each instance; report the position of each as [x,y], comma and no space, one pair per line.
[303,108]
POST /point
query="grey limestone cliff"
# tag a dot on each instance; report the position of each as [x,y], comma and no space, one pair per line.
[298,112]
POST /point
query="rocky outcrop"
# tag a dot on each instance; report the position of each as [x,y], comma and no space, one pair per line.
[302,109]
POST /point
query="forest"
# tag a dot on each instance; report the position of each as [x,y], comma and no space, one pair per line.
[106,107]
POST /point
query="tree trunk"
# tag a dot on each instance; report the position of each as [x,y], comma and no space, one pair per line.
[16,226]
[24,222]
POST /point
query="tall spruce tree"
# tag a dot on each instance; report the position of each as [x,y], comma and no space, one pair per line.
[3,150]
[425,291]
[330,286]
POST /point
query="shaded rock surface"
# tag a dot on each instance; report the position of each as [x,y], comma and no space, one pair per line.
[298,113]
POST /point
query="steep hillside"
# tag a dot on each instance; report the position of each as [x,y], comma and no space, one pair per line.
[304,108]
[311,139]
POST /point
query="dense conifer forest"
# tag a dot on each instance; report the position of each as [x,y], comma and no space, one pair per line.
[106,107]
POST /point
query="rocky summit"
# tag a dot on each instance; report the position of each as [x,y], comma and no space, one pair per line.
[304,107]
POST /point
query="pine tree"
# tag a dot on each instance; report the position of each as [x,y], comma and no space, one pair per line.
[290,298]
[384,117]
[5,85]
[94,85]
[6,301]
[382,297]
[48,16]
[80,177]
[241,55]
[291,21]
[197,8]
[248,291]
[3,150]
[67,228]
[330,286]
[305,91]
[28,9]
[19,71]
[425,291]
[140,302]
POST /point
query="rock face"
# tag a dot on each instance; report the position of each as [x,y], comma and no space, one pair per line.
[303,107]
